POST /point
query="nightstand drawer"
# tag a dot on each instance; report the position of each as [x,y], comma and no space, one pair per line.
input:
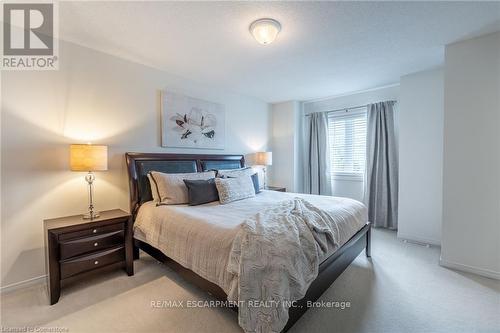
[92,231]
[74,247]
[89,262]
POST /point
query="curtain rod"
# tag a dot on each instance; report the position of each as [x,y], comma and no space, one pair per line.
[343,109]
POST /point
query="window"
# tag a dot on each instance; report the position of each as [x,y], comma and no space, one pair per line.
[347,139]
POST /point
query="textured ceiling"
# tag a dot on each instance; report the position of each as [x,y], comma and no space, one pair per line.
[324,48]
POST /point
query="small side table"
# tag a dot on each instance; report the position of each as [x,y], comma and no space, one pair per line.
[75,247]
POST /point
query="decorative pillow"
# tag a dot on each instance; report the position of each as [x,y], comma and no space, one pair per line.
[232,189]
[171,187]
[235,172]
[201,191]
[154,189]
[260,174]
[255,180]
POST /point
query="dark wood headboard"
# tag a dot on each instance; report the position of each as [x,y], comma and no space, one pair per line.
[139,164]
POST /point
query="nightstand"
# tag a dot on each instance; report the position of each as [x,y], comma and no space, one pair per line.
[75,248]
[275,188]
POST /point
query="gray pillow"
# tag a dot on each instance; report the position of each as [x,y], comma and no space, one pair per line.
[232,189]
[201,191]
[256,185]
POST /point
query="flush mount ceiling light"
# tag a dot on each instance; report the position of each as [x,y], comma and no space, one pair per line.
[265,30]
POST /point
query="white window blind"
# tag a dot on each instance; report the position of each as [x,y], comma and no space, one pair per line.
[347,140]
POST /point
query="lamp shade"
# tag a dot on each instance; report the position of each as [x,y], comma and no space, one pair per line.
[88,158]
[264,158]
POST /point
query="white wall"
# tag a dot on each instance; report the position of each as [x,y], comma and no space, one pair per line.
[350,188]
[285,145]
[471,169]
[93,97]
[421,156]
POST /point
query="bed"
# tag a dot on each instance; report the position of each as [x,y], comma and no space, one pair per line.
[200,237]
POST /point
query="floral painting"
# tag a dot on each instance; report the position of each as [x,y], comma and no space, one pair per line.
[189,122]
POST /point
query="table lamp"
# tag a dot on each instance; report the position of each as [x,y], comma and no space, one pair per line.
[264,158]
[89,158]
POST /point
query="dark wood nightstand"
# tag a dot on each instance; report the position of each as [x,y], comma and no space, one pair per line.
[275,188]
[75,247]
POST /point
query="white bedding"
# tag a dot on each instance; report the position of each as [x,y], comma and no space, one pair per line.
[200,237]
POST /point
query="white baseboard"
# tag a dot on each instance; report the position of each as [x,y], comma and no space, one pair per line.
[470,269]
[23,284]
[417,239]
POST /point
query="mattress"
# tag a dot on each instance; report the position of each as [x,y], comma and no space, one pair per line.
[200,237]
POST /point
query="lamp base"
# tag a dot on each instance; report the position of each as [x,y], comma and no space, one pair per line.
[90,215]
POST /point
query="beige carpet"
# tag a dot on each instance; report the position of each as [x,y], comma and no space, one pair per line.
[402,289]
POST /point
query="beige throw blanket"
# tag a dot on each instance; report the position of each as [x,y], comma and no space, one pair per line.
[276,256]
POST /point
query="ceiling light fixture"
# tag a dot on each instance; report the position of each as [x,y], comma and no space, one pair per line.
[265,30]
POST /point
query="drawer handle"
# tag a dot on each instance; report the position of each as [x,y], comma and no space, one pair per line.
[95,244]
[94,231]
[96,262]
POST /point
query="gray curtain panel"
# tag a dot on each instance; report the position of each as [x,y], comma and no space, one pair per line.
[381,180]
[318,156]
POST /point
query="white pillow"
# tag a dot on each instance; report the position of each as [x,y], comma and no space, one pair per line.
[171,187]
[248,171]
[154,189]
[232,189]
[233,173]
